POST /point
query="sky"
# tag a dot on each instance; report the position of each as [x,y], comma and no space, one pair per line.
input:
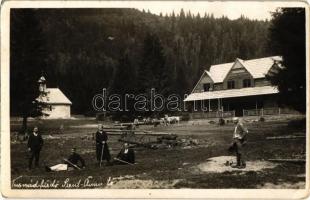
[232,10]
[253,9]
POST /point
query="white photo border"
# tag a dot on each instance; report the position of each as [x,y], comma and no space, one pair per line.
[124,193]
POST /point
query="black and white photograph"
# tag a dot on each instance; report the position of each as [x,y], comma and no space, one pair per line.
[154,95]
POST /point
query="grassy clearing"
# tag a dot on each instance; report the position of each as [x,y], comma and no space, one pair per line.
[167,168]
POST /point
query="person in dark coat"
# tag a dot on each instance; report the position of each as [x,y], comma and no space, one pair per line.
[102,148]
[35,143]
[74,161]
[125,156]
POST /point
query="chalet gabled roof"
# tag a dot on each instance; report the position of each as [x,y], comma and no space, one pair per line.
[219,72]
[209,74]
[242,64]
[54,96]
[258,68]
[205,72]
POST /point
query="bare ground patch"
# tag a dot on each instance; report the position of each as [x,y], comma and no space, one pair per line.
[217,165]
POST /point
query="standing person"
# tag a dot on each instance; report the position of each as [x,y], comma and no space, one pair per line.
[239,137]
[35,143]
[102,148]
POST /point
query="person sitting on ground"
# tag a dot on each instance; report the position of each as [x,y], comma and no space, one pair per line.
[69,164]
[125,156]
[239,140]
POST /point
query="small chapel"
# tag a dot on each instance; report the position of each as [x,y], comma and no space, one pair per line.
[57,104]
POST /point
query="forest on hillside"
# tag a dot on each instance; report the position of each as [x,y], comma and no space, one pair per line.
[82,51]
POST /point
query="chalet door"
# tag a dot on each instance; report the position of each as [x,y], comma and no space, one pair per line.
[234,104]
[238,104]
[239,112]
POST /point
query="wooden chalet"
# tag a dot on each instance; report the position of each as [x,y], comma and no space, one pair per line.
[236,88]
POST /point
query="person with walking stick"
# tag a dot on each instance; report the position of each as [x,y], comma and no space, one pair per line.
[239,140]
[102,148]
[71,163]
[125,156]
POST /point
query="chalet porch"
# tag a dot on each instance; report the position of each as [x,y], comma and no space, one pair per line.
[245,113]
[235,104]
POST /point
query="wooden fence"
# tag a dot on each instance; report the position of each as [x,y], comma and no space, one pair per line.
[215,114]
[269,111]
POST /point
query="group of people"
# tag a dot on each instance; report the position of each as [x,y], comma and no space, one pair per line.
[126,155]
[75,161]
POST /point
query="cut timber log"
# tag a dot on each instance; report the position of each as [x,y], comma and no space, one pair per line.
[111,131]
[114,127]
[153,122]
[169,137]
[288,160]
[130,123]
[136,132]
[285,137]
[147,145]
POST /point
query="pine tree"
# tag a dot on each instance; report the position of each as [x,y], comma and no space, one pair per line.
[287,38]
[152,66]
[27,53]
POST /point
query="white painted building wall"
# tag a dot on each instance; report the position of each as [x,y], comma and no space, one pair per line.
[57,111]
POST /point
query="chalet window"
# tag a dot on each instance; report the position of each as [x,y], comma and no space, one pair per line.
[246,83]
[230,84]
[206,87]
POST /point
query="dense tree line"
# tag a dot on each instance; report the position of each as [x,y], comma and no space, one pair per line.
[287,37]
[83,51]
